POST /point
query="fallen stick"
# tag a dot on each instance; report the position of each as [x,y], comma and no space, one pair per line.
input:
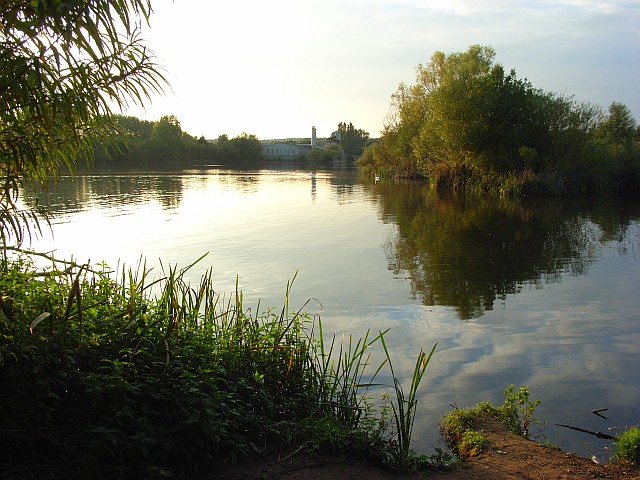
[590,432]
[598,411]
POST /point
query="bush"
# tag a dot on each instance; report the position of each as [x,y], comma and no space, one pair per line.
[102,378]
[516,413]
[130,377]
[627,446]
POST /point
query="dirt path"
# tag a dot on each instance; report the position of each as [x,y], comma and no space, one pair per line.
[507,457]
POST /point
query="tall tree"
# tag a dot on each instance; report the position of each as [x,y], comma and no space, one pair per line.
[619,127]
[166,141]
[466,117]
[353,140]
[474,115]
[65,68]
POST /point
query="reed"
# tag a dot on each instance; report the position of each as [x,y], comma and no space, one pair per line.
[404,410]
[119,373]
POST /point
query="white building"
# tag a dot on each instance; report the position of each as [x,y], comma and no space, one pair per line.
[288,151]
[284,151]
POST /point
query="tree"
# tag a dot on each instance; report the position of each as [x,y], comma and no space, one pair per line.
[166,142]
[66,67]
[137,129]
[618,137]
[619,127]
[130,144]
[474,116]
[467,118]
[441,126]
[353,140]
[243,149]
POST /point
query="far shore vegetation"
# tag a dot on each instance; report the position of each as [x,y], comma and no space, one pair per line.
[162,144]
[113,373]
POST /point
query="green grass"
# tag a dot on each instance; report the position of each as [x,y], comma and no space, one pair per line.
[516,413]
[124,375]
[627,446]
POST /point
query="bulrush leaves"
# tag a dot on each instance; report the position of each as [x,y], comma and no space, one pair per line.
[128,373]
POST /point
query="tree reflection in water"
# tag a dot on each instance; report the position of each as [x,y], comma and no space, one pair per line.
[469,251]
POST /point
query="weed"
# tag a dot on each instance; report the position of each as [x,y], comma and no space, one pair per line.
[457,429]
[120,374]
[401,456]
[516,413]
[471,443]
[627,446]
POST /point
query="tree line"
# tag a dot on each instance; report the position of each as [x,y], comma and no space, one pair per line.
[163,144]
[468,123]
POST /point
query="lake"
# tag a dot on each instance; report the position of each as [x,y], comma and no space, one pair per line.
[539,292]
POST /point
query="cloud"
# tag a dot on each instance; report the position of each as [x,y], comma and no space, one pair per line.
[275,68]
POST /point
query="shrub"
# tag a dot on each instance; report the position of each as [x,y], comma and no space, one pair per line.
[627,446]
[516,413]
[131,377]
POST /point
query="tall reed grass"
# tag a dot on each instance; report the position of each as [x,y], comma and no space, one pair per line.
[124,374]
[404,409]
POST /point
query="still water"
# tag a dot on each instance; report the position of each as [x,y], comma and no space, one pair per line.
[537,292]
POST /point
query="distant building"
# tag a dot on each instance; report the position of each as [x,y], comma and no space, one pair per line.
[284,151]
[289,151]
[336,137]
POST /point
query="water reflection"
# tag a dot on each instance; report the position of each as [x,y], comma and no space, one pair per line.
[469,253]
[462,252]
[245,183]
[83,192]
[344,187]
[550,283]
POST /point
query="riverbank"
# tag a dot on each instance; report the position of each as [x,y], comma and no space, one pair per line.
[120,375]
[123,376]
[506,456]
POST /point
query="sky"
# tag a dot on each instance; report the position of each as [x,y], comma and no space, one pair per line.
[276,68]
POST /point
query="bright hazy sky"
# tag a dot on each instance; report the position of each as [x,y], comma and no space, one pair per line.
[275,68]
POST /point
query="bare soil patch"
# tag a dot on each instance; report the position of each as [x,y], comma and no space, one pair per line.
[507,456]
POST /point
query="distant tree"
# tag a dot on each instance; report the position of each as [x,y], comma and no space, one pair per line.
[163,144]
[137,129]
[334,150]
[166,142]
[353,140]
[620,127]
[617,138]
[242,149]
[324,155]
[134,134]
